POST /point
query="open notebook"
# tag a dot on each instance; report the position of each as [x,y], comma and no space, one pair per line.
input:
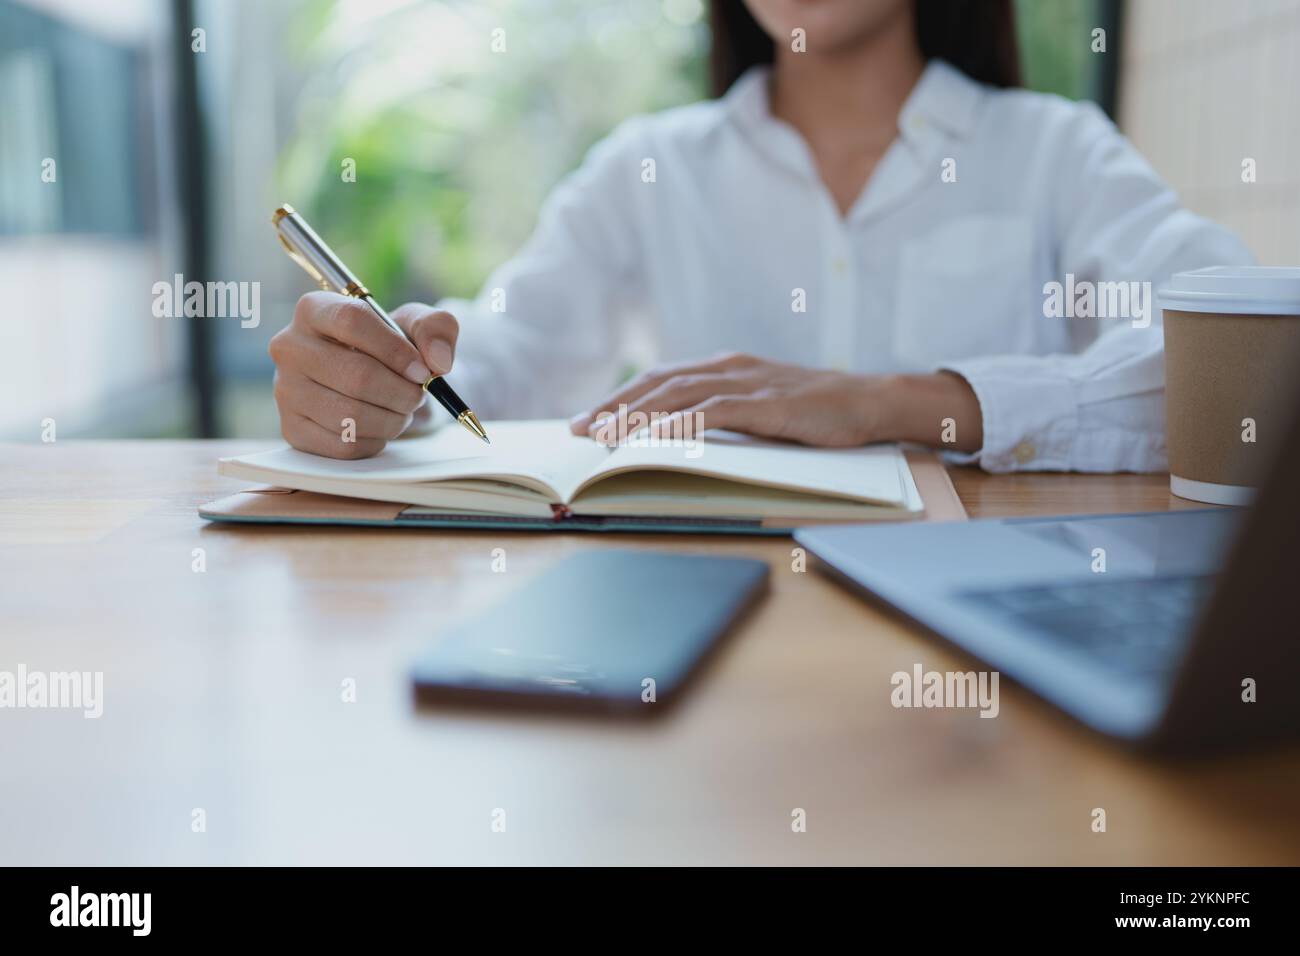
[538,469]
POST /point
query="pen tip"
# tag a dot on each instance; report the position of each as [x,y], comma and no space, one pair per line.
[470,421]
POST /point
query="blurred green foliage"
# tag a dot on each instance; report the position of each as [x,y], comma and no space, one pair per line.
[456,145]
[1056,45]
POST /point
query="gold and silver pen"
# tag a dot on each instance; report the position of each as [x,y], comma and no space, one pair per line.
[310,251]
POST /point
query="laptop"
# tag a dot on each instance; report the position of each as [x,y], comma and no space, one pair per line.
[1176,631]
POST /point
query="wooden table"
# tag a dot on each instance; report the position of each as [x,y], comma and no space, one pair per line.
[223,691]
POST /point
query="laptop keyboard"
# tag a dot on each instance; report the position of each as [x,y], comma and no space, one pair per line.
[1135,625]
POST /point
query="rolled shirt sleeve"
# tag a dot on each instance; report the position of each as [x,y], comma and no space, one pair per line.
[1101,409]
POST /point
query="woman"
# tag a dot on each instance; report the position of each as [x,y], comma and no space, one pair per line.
[854,243]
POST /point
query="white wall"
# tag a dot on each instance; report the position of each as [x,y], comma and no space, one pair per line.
[1206,84]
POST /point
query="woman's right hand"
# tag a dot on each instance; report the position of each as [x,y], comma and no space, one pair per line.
[345,383]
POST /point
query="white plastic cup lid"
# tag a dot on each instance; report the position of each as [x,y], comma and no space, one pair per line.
[1236,290]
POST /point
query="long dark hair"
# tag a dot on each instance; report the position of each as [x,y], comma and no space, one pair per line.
[978,37]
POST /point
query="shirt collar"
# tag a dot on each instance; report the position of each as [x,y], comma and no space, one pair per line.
[943,97]
[747,100]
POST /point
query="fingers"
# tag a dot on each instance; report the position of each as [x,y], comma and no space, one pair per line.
[339,369]
[336,412]
[433,332]
[649,381]
[306,435]
[345,381]
[751,414]
[677,393]
[351,322]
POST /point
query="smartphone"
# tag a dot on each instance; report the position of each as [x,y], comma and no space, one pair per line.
[601,630]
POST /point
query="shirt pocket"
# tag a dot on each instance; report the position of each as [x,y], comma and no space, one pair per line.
[964,290]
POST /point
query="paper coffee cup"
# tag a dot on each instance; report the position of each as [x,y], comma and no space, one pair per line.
[1232,336]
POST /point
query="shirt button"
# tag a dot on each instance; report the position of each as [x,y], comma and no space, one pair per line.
[918,122]
[840,267]
[1025,452]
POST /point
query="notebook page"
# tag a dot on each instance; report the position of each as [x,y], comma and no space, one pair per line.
[873,473]
[542,455]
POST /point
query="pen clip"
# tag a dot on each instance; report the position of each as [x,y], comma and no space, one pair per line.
[298,257]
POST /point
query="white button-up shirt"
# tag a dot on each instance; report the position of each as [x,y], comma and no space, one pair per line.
[707,229]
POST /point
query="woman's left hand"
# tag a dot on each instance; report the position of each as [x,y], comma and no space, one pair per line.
[776,400]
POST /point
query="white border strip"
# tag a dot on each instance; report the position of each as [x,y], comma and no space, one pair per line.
[1211,493]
